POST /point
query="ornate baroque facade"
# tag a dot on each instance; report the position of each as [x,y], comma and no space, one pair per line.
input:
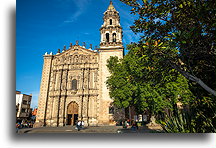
[73,84]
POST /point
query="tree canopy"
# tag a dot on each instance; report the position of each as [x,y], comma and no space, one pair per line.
[189,27]
[173,61]
[138,80]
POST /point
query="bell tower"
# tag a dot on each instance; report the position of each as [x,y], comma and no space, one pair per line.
[111,30]
[110,45]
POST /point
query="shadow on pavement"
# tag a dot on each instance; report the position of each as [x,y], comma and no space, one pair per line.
[90,129]
[141,129]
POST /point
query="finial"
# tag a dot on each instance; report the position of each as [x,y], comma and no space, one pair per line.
[84,44]
[70,44]
[64,48]
[58,51]
[90,46]
[111,7]
[77,42]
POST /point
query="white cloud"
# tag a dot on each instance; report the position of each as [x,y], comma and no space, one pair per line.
[125,13]
[129,36]
[80,5]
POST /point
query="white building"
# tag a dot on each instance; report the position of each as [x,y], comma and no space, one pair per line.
[23,102]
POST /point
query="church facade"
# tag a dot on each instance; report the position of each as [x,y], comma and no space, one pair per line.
[73,85]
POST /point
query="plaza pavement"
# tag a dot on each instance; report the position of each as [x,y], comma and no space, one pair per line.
[89,129]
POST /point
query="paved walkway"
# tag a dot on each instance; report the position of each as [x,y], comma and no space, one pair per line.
[90,129]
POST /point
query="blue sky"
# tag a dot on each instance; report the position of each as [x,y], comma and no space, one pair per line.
[46,25]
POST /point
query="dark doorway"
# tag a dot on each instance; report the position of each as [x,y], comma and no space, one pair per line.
[72,113]
[69,118]
[72,119]
[75,119]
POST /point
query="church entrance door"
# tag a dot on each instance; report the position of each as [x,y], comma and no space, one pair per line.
[72,113]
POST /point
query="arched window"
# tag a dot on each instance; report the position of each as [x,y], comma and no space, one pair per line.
[110,21]
[74,84]
[107,37]
[114,37]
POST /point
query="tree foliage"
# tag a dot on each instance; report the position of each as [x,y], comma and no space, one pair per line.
[139,81]
[175,58]
[188,26]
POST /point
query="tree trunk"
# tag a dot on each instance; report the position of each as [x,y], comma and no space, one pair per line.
[195,79]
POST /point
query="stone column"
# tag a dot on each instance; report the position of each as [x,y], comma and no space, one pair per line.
[92,111]
[111,36]
[55,109]
[49,110]
[92,79]
[84,110]
[54,112]
[101,37]
[44,90]
[62,111]
[80,108]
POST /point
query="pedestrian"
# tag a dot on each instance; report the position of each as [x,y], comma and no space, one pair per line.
[17,127]
[79,125]
[76,123]
[127,124]
[133,127]
[136,126]
[82,124]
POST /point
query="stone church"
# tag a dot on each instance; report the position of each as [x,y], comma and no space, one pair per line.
[73,85]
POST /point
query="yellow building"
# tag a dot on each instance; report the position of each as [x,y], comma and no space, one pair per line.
[73,84]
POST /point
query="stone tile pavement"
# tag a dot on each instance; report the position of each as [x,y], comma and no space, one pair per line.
[89,129]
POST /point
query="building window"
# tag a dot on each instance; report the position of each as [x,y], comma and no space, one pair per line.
[23,110]
[114,37]
[25,102]
[107,37]
[74,84]
[110,21]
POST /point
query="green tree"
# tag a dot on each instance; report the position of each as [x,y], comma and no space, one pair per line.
[187,27]
[138,80]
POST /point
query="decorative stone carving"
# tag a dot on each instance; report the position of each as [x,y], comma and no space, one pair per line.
[87,67]
[76,59]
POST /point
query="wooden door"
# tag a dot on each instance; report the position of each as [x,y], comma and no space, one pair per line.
[72,110]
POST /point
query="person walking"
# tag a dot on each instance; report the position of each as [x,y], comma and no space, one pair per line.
[17,127]
[82,124]
[134,127]
[79,125]
[76,123]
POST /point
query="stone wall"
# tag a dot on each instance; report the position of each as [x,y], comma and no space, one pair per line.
[105,100]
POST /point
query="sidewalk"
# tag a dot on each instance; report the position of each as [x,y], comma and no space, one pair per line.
[71,129]
[89,129]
